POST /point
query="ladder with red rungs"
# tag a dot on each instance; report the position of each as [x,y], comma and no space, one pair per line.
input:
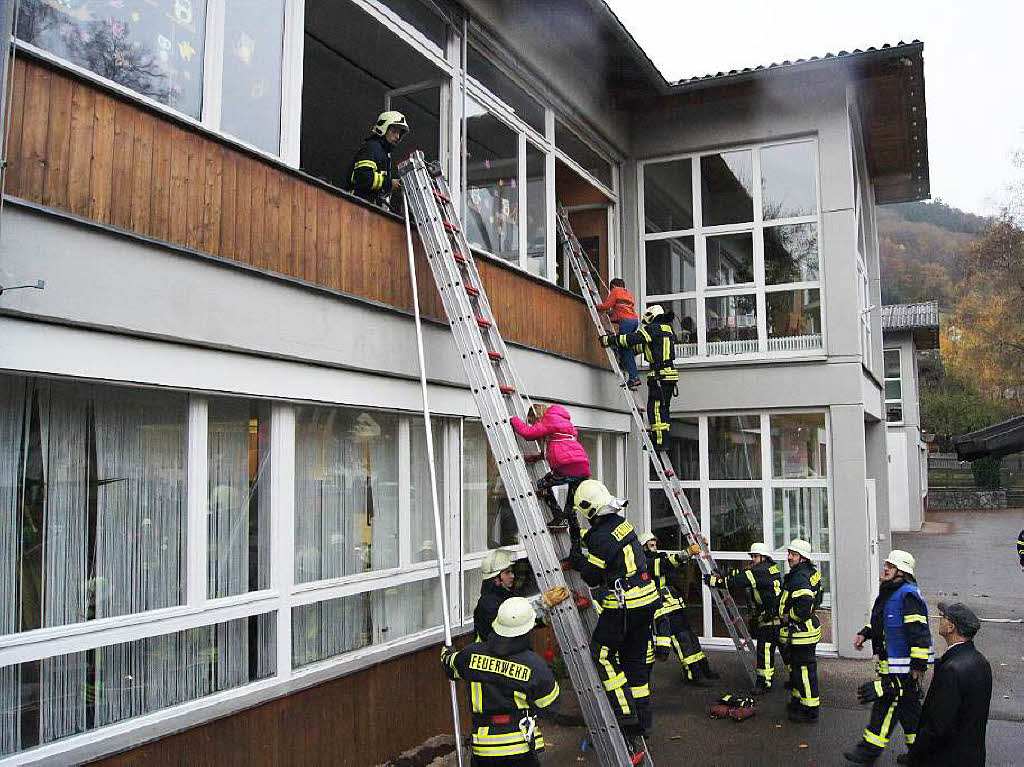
[499,395]
[688,522]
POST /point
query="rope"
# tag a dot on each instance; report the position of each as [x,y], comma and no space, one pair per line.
[438,532]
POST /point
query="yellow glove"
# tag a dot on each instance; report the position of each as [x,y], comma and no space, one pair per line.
[554,596]
[693,549]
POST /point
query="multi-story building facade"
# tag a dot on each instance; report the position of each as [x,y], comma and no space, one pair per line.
[216,530]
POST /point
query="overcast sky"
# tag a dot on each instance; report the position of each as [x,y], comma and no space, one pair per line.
[974,76]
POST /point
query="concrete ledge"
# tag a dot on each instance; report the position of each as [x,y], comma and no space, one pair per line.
[964,498]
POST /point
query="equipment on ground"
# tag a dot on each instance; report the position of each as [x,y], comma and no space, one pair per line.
[688,522]
[499,396]
[801,547]
[901,560]
[496,562]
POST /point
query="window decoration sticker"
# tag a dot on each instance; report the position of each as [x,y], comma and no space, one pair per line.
[244,48]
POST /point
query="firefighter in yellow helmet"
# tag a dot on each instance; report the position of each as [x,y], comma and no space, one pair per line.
[800,631]
[370,174]
[615,566]
[496,587]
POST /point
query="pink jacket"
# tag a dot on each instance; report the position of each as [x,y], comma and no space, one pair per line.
[563,451]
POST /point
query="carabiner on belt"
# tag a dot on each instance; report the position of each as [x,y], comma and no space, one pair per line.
[527,726]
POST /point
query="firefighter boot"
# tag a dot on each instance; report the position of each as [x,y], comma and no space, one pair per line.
[863,754]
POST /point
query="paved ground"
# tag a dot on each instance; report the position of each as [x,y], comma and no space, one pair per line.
[975,562]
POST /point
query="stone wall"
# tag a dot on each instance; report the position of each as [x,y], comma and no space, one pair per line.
[965,498]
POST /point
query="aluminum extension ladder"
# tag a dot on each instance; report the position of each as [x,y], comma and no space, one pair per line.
[688,522]
[498,395]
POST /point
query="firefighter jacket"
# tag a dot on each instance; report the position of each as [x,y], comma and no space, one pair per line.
[657,341]
[800,597]
[899,628]
[1020,547]
[764,582]
[659,565]
[615,562]
[369,175]
[508,684]
[491,597]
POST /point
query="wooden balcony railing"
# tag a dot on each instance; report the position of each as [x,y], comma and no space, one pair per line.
[76,147]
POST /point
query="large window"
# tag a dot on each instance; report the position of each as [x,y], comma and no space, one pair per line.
[731,244]
[893,386]
[751,477]
[160,50]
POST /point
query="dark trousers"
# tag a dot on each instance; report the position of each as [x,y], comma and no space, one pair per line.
[519,760]
[767,642]
[627,357]
[803,677]
[659,404]
[619,648]
[673,631]
[552,480]
[900,703]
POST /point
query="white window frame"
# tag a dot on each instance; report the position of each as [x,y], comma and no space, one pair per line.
[767,484]
[699,232]
[886,378]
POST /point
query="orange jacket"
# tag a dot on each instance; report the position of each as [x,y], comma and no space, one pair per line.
[622,304]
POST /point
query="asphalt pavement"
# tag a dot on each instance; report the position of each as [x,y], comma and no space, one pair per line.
[975,562]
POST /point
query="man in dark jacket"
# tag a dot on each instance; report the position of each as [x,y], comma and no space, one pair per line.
[900,639]
[498,579]
[800,631]
[370,175]
[1020,548]
[955,712]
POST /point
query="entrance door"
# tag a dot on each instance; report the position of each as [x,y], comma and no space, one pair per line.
[872,510]
[422,104]
[899,481]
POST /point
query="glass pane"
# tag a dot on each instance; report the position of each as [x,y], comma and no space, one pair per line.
[794,320]
[498,83]
[152,49]
[251,92]
[422,111]
[492,204]
[790,254]
[471,585]
[671,266]
[734,446]
[731,324]
[588,159]
[610,463]
[663,521]
[536,212]
[893,412]
[421,513]
[892,363]
[799,445]
[740,594]
[683,449]
[668,196]
[726,188]
[324,629]
[730,258]
[893,389]
[54,698]
[238,520]
[684,312]
[801,512]
[424,18]
[92,501]
[487,517]
[737,519]
[346,492]
[788,187]
[407,609]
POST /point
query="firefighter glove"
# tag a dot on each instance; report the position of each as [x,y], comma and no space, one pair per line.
[448,654]
[714,581]
[554,596]
[783,634]
[607,340]
[869,692]
[693,549]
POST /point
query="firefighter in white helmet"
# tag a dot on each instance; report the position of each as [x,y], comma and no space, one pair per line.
[763,580]
[370,174]
[496,587]
[615,565]
[509,685]
[899,637]
[800,631]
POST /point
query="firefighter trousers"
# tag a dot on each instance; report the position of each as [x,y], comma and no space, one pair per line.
[673,631]
[553,479]
[659,403]
[519,760]
[900,703]
[767,638]
[619,648]
[803,677]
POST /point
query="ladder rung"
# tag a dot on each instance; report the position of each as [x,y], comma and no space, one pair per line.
[441,196]
[532,457]
[495,356]
[483,322]
[473,291]
[459,257]
[450,227]
[505,389]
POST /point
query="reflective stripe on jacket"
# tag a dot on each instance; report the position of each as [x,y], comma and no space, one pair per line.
[614,555]
[369,174]
[658,344]
[801,596]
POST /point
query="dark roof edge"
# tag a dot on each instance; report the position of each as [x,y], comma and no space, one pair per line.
[626,37]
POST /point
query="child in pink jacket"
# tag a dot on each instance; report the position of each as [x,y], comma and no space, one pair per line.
[567,458]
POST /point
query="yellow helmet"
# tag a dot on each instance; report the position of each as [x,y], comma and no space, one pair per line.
[593,498]
[901,560]
[652,313]
[516,617]
[495,562]
[388,119]
[801,547]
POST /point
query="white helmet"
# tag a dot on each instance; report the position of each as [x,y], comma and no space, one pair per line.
[801,547]
[516,617]
[901,560]
[593,499]
[759,548]
[652,313]
[386,120]
[495,562]
[647,537]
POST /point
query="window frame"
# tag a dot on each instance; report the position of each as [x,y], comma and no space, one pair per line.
[757,226]
[767,485]
[899,379]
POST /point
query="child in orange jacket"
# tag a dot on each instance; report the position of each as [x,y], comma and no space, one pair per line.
[622,312]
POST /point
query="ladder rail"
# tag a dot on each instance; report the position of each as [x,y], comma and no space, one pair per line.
[667,476]
[494,406]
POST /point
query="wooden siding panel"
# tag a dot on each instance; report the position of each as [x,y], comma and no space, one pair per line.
[228,190]
[285,246]
[121,189]
[142,174]
[15,158]
[243,210]
[101,177]
[37,107]
[298,229]
[272,221]
[83,112]
[211,214]
[257,218]
[196,190]
[58,143]
[160,197]
[309,251]
[177,220]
